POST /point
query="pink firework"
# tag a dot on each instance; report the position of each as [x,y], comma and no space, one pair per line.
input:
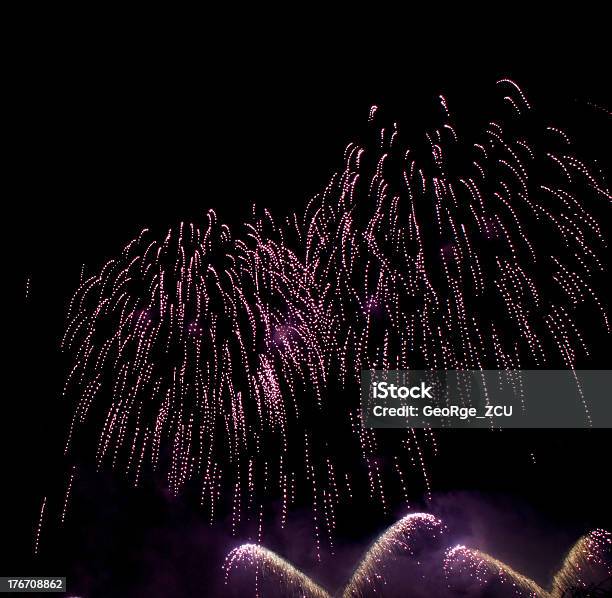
[232,362]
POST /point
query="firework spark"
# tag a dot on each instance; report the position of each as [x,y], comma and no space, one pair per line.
[483,567]
[269,564]
[587,560]
[395,540]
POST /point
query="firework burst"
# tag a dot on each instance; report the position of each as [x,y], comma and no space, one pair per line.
[459,255]
[190,348]
[219,360]
[453,255]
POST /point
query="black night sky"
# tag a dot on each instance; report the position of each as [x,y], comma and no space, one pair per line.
[110,138]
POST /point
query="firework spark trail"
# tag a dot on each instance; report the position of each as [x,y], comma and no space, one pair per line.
[193,349]
[483,567]
[586,560]
[39,527]
[67,495]
[198,343]
[271,565]
[429,264]
[416,250]
[589,559]
[395,540]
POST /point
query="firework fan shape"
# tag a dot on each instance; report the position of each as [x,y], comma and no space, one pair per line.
[269,565]
[215,358]
[589,560]
[398,539]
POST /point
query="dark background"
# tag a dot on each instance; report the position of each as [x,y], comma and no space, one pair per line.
[108,136]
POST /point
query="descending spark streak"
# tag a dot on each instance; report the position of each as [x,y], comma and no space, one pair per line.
[39,527]
[395,540]
[270,564]
[67,495]
[592,554]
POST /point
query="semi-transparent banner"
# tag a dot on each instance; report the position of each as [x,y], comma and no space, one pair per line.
[487,399]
